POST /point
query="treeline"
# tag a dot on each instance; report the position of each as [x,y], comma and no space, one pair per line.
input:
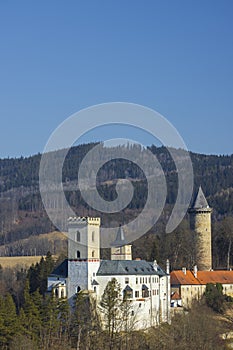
[34,320]
[213,172]
[180,246]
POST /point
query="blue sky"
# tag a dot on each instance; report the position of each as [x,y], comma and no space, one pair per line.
[57,57]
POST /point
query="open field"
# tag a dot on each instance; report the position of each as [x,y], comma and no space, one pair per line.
[55,242]
[28,260]
[20,261]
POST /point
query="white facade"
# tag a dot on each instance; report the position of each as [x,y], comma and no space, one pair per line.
[145,308]
[147,283]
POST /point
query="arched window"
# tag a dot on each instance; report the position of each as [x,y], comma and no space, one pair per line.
[93,254]
[78,236]
[93,236]
[78,254]
[95,289]
[62,293]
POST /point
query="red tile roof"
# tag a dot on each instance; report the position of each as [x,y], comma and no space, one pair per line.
[224,277]
[203,277]
[179,277]
[175,296]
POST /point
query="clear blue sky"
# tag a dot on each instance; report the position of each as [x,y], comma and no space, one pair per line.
[57,57]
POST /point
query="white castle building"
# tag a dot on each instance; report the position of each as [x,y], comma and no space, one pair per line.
[146,284]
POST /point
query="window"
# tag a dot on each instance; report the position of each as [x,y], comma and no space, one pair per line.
[136,280]
[127,293]
[93,254]
[93,274]
[78,236]
[95,289]
[132,313]
[126,280]
[78,254]
[145,279]
[136,293]
[93,236]
[62,293]
[145,293]
[78,289]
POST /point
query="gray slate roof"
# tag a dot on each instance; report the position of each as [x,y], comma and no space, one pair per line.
[200,200]
[120,238]
[116,267]
[128,267]
[61,270]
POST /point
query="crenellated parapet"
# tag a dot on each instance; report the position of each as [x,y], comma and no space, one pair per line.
[84,220]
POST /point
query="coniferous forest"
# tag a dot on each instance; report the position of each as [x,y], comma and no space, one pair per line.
[32,319]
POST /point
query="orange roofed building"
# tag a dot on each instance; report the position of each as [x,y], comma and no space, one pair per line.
[191,285]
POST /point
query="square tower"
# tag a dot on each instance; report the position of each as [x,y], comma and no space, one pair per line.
[83,238]
[83,253]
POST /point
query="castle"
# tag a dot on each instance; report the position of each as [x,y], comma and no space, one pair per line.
[146,285]
[187,285]
[150,290]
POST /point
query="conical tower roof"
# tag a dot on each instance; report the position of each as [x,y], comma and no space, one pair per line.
[120,238]
[200,200]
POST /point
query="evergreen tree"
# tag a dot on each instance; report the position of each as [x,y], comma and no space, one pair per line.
[50,322]
[9,323]
[214,297]
[32,320]
[110,306]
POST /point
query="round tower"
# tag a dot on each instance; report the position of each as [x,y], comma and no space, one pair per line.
[200,222]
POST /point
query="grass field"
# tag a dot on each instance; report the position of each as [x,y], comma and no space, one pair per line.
[20,261]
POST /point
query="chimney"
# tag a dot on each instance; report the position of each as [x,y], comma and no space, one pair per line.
[155,265]
[195,271]
[167,267]
[184,270]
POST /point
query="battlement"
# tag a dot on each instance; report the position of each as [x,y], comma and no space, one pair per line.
[84,220]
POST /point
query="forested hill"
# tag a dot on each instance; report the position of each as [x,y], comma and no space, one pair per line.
[21,209]
[214,173]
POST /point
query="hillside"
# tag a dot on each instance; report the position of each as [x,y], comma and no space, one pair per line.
[23,217]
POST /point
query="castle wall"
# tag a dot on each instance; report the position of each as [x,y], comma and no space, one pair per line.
[146,310]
